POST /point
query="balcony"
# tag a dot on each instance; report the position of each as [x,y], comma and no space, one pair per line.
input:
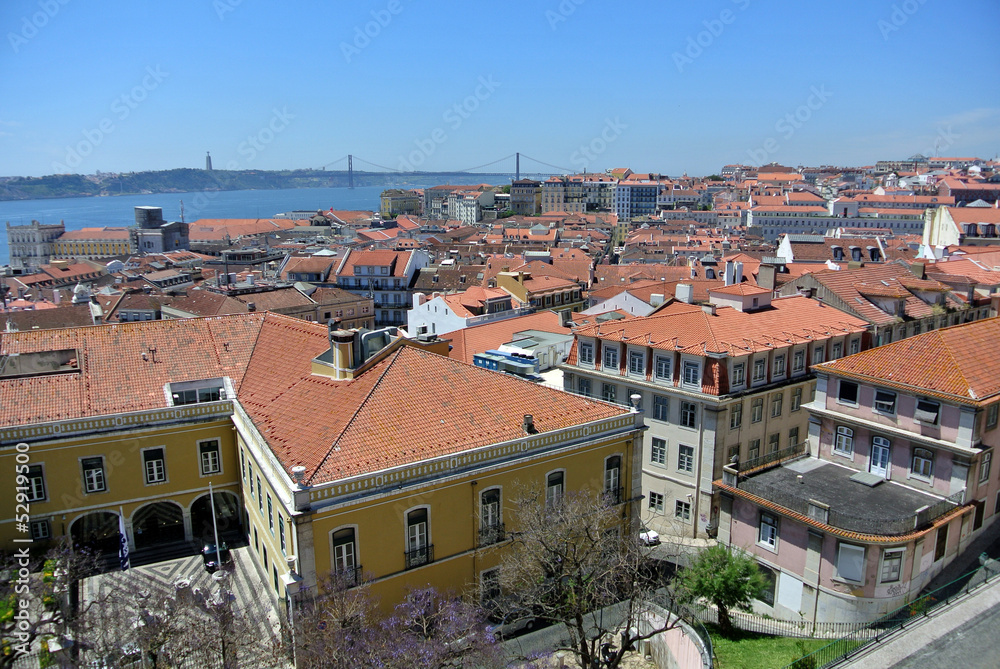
[492,534]
[347,578]
[419,556]
[839,496]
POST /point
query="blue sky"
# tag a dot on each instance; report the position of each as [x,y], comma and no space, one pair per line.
[669,87]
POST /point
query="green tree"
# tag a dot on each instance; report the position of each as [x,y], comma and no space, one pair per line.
[727,578]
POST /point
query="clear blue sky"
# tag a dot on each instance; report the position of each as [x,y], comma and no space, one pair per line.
[656,86]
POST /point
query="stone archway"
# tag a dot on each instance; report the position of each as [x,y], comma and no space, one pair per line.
[98,531]
[157,523]
[227,517]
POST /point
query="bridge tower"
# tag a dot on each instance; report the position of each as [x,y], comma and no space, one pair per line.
[517,166]
[350,171]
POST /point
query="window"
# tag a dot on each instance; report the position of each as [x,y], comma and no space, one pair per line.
[344,552]
[838,351]
[208,452]
[417,552]
[885,401]
[927,412]
[923,463]
[636,362]
[270,514]
[250,467]
[757,410]
[586,354]
[260,496]
[153,465]
[799,361]
[796,398]
[656,502]
[584,386]
[767,532]
[776,403]
[851,563]
[689,414]
[692,374]
[612,479]
[754,451]
[34,480]
[855,345]
[609,392]
[848,392]
[735,416]
[985,460]
[658,451]
[892,565]
[40,530]
[793,436]
[554,489]
[759,368]
[739,374]
[663,368]
[941,543]
[93,475]
[243,467]
[779,365]
[818,355]
[682,511]
[845,441]
[490,527]
[991,416]
[685,459]
[661,407]
[281,534]
[489,587]
[610,356]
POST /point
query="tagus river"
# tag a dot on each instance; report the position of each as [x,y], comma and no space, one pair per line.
[88,212]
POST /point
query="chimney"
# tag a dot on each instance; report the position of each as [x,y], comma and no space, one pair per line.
[765,276]
[341,350]
[684,292]
[529,424]
[656,299]
[251,307]
[708,309]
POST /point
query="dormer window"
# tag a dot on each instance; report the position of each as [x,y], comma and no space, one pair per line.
[197,392]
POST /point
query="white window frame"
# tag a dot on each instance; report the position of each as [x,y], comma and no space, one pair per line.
[796,399]
[586,353]
[689,414]
[759,370]
[819,354]
[736,416]
[663,368]
[925,463]
[95,484]
[985,461]
[844,435]
[682,510]
[739,374]
[892,554]
[159,475]
[336,559]
[767,531]
[692,373]
[637,363]
[840,390]
[658,452]
[885,402]
[610,357]
[656,502]
[685,459]
[33,492]
[661,408]
[854,346]
[41,529]
[850,549]
[799,361]
[201,457]
[554,493]
[779,365]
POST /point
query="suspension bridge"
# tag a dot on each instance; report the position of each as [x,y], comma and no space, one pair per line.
[508,166]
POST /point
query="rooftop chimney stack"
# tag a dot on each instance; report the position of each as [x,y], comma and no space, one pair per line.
[529,424]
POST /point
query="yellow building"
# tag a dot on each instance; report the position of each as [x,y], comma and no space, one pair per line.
[93,243]
[350,451]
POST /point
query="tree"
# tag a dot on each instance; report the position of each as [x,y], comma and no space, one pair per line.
[729,579]
[575,560]
[342,627]
[36,597]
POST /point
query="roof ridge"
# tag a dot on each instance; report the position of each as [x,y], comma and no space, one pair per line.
[957,366]
[335,445]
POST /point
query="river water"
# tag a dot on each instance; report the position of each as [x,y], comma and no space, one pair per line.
[88,212]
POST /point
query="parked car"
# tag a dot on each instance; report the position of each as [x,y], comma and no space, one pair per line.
[214,559]
[648,537]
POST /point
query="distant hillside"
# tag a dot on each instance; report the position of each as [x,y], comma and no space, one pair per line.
[183,181]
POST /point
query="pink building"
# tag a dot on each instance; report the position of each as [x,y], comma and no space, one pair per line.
[897,481]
